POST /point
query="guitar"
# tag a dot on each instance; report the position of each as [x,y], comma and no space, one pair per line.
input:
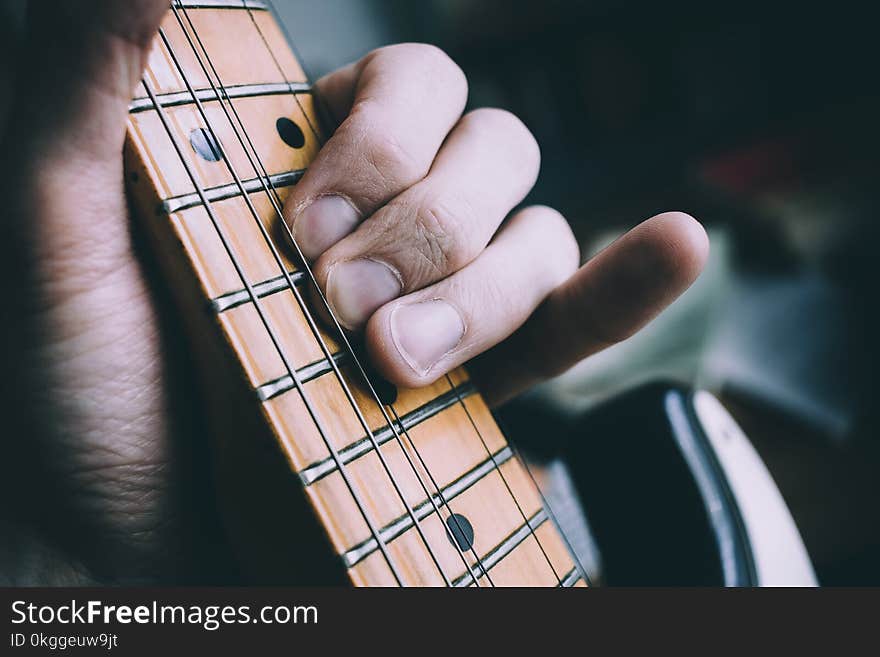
[328,474]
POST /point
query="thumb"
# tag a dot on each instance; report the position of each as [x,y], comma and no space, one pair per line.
[81,64]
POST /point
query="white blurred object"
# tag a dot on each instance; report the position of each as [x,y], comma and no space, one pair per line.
[778,551]
[788,341]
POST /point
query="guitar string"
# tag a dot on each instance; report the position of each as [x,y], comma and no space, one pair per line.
[276,201]
[255,299]
[328,113]
[504,480]
[549,509]
[319,100]
[546,504]
[516,502]
[220,95]
[265,235]
[281,264]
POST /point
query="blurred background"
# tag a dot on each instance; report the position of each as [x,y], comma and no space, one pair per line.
[761,124]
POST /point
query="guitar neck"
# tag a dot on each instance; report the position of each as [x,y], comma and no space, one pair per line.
[410,487]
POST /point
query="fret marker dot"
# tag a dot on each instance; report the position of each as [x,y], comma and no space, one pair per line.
[385,390]
[290,133]
[203,143]
[459,531]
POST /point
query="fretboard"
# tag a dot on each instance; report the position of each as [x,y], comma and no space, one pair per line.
[420,490]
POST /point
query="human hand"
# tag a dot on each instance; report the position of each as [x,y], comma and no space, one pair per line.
[406,213]
[93,445]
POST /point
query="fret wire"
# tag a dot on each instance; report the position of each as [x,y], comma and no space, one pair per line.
[321,295]
[355,450]
[222,192]
[307,268]
[503,479]
[572,578]
[221,233]
[330,312]
[310,372]
[265,288]
[177,98]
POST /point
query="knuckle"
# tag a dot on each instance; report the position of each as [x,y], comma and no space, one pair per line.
[441,235]
[508,124]
[510,130]
[495,116]
[426,62]
[560,254]
[390,158]
[381,150]
[437,65]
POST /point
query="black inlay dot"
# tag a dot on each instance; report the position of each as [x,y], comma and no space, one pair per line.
[385,390]
[460,531]
[290,133]
[205,145]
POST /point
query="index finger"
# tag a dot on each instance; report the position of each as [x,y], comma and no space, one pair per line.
[400,103]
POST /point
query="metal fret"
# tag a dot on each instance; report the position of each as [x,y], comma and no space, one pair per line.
[348,454]
[506,546]
[257,5]
[223,192]
[573,577]
[207,95]
[305,374]
[397,527]
[264,289]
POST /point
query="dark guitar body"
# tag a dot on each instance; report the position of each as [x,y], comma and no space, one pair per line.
[654,493]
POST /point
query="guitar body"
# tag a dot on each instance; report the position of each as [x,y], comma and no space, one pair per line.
[325,473]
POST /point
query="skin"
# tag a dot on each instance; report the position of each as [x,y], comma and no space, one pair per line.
[97,482]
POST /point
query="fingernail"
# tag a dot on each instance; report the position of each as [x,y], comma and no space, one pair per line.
[357,288]
[322,223]
[425,332]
